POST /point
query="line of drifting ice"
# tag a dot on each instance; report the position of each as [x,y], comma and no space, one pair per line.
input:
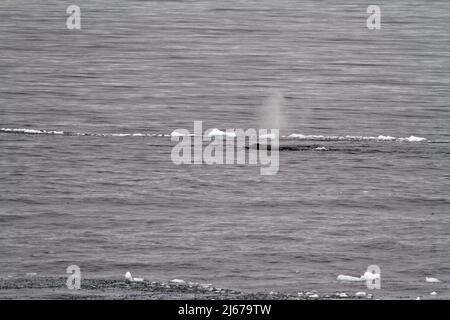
[217,132]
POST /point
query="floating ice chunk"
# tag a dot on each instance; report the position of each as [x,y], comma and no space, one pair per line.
[295,135]
[314,296]
[432,280]
[177,134]
[418,298]
[321,149]
[433,293]
[386,138]
[369,276]
[177,281]
[217,132]
[342,295]
[343,277]
[128,276]
[360,294]
[412,139]
[268,136]
[120,134]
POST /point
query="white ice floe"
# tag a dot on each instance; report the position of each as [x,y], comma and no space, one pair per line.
[313,296]
[412,139]
[342,295]
[129,277]
[367,276]
[177,281]
[385,138]
[120,135]
[30,131]
[217,132]
[433,293]
[268,136]
[321,149]
[354,138]
[177,134]
[343,277]
[360,294]
[432,280]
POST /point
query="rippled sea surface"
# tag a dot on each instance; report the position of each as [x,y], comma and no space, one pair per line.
[112,202]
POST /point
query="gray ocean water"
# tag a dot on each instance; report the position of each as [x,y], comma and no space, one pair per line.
[112,203]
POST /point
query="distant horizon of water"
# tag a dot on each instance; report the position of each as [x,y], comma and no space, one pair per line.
[86,115]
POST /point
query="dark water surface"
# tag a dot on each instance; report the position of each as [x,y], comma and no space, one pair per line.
[112,203]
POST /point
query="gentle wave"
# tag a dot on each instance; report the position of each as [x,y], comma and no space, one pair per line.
[293,136]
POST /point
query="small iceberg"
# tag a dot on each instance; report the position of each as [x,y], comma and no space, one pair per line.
[217,132]
[385,138]
[178,281]
[177,134]
[360,294]
[368,276]
[129,277]
[412,139]
[343,277]
[433,293]
[431,280]
[268,136]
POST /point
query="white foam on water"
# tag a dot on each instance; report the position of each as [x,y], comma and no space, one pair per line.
[431,280]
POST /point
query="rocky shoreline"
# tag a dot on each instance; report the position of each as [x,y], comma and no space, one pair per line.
[55,288]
